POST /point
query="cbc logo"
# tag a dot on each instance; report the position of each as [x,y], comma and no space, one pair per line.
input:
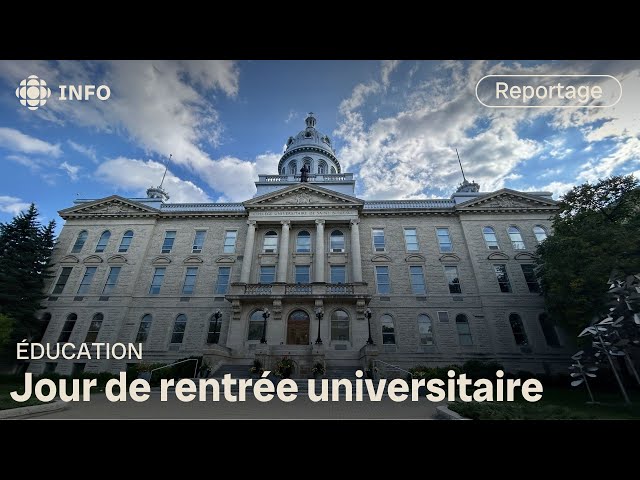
[33,92]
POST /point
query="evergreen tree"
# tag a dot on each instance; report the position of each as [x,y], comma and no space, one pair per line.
[25,250]
[596,232]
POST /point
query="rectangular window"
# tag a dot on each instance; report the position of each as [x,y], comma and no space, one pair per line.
[156,282]
[85,284]
[222,283]
[169,238]
[503,278]
[451,272]
[443,317]
[417,279]
[303,274]
[530,277]
[189,284]
[94,329]
[62,279]
[338,274]
[444,240]
[378,239]
[112,279]
[198,241]
[67,328]
[230,237]
[267,274]
[411,240]
[213,334]
[382,279]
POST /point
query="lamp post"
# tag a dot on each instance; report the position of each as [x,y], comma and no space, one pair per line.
[319,315]
[367,313]
[265,315]
[216,320]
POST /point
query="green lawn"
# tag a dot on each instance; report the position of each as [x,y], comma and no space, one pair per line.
[557,403]
[7,402]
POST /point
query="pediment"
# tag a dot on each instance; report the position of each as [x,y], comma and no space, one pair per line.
[92,259]
[113,206]
[498,256]
[117,259]
[525,256]
[70,259]
[225,259]
[507,200]
[381,258]
[303,196]
[192,259]
[161,260]
[415,258]
[449,257]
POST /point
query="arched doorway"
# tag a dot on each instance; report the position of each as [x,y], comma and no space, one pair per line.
[298,328]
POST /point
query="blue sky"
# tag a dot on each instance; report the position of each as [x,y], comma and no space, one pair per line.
[394,124]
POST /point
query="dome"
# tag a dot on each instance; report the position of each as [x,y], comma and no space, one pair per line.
[312,147]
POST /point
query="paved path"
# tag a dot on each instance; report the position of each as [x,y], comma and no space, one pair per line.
[301,408]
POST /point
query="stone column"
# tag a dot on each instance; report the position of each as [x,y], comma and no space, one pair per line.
[318,275]
[283,252]
[247,260]
[356,258]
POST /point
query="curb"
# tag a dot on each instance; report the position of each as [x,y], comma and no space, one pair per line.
[443,413]
[32,410]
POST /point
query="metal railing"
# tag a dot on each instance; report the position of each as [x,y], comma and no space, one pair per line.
[195,370]
[375,362]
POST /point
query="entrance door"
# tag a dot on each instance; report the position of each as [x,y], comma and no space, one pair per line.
[298,328]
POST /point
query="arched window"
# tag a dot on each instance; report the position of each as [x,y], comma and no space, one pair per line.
[256,323]
[293,167]
[333,170]
[337,241]
[67,328]
[425,329]
[82,237]
[307,161]
[322,167]
[303,242]
[464,331]
[540,233]
[270,244]
[517,327]
[215,324]
[102,243]
[339,325]
[45,319]
[516,238]
[143,329]
[94,328]
[388,330]
[179,327]
[126,241]
[490,238]
[549,330]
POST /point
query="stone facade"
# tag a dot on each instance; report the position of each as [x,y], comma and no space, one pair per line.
[341,273]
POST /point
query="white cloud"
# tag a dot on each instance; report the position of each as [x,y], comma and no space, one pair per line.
[71,170]
[558,188]
[17,141]
[166,107]
[131,175]
[291,115]
[12,205]
[627,150]
[388,66]
[89,152]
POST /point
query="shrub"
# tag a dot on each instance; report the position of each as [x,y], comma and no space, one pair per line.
[257,367]
[478,369]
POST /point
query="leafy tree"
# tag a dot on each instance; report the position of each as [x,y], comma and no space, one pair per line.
[595,232]
[25,249]
[6,325]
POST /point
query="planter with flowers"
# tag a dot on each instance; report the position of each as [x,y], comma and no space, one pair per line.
[256,369]
[318,370]
[284,367]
